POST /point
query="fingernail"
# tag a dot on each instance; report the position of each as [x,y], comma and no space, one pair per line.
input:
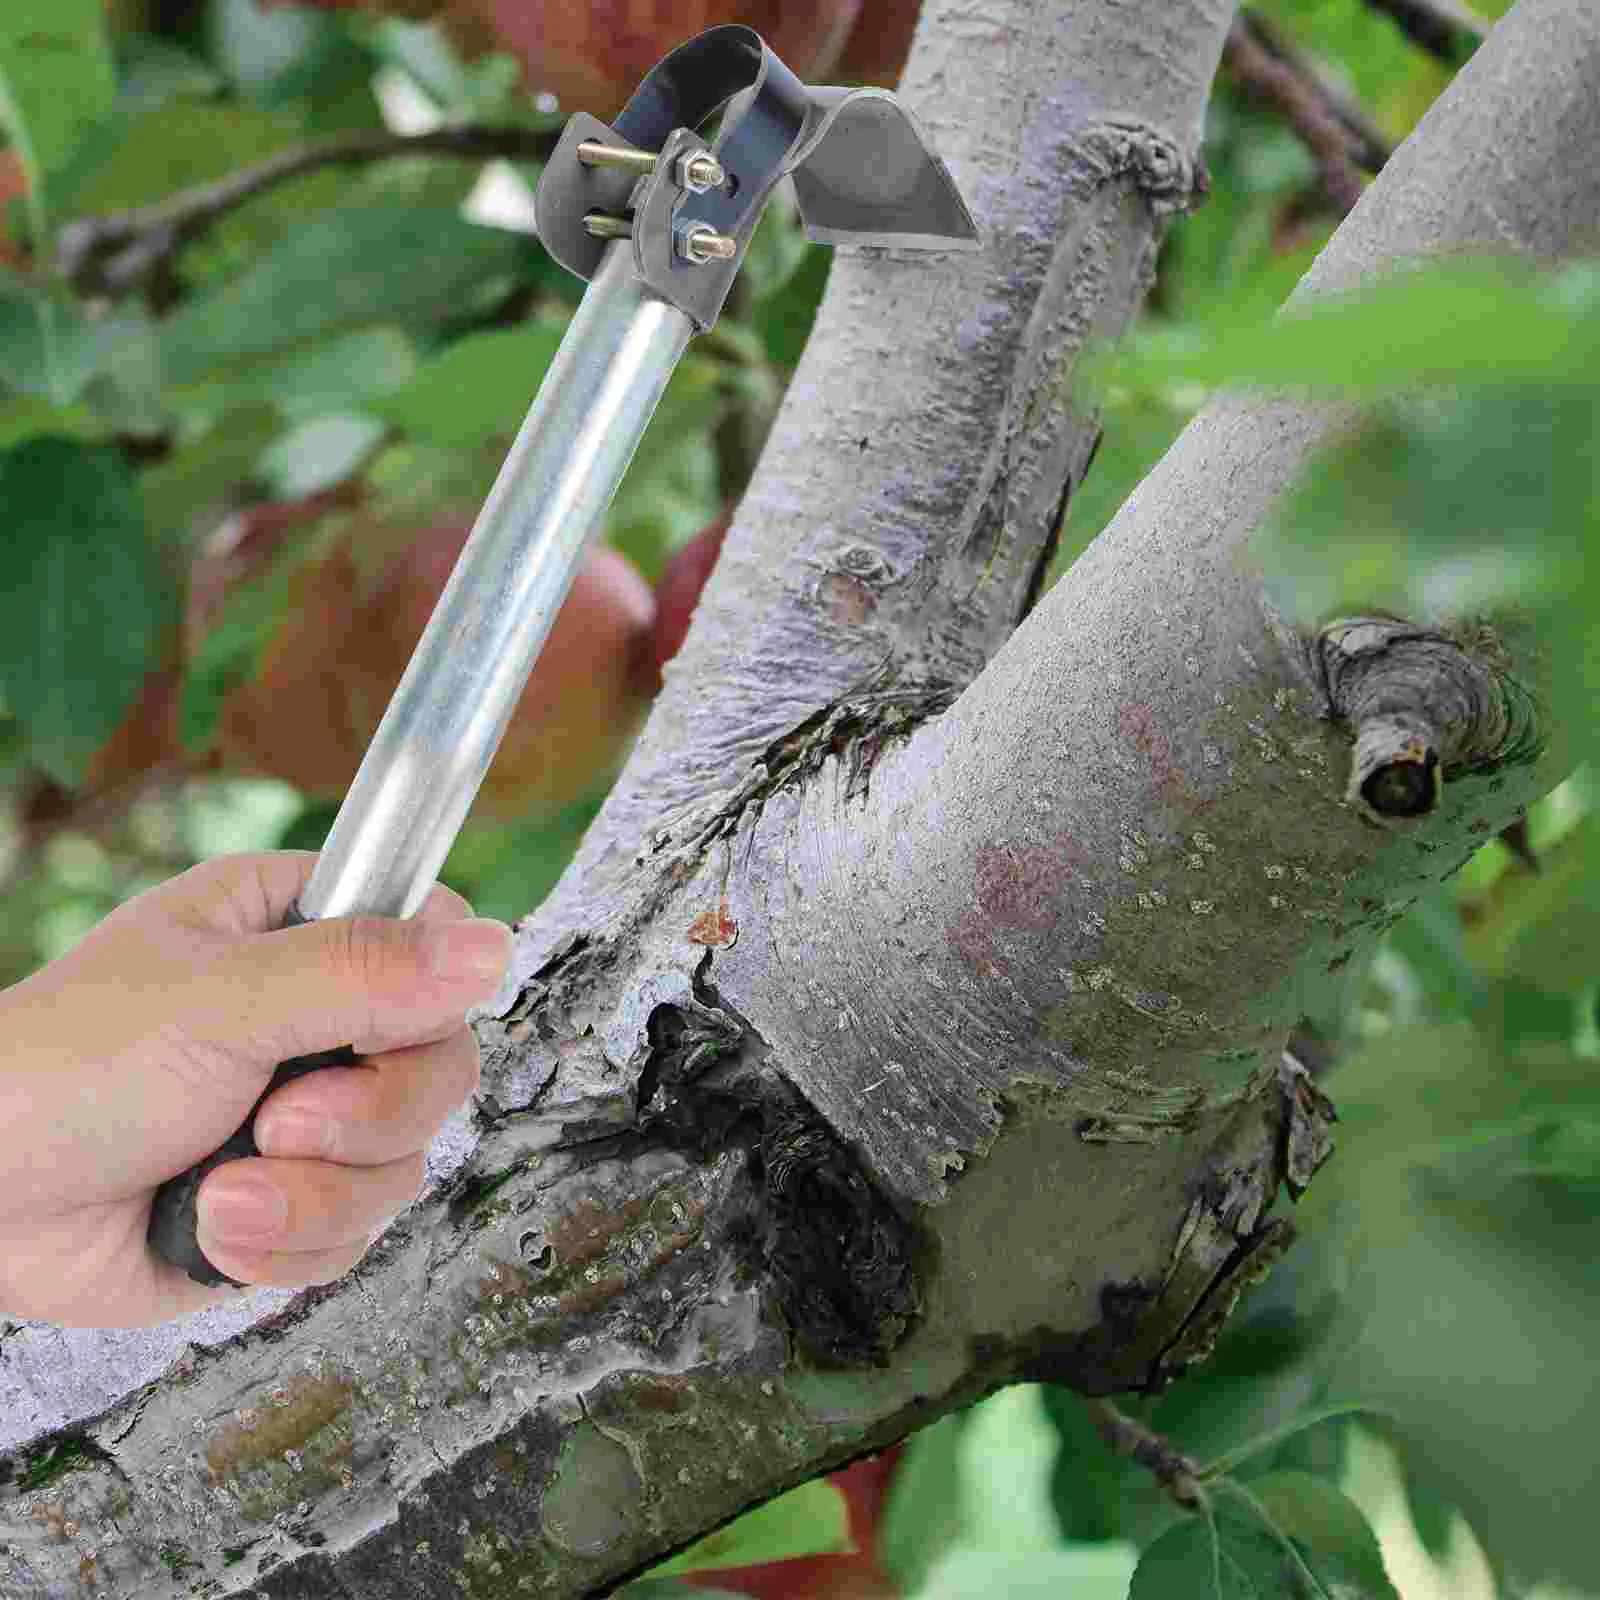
[244,1207]
[478,948]
[293,1133]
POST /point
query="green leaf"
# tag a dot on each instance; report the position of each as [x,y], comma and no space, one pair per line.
[1008,1451]
[784,318]
[922,1513]
[669,1589]
[273,53]
[227,656]
[1447,505]
[503,870]
[1287,1537]
[807,1521]
[778,249]
[380,263]
[1467,322]
[1090,1486]
[154,70]
[150,154]
[1327,1525]
[488,89]
[57,82]
[318,454]
[1084,1573]
[478,389]
[1220,1556]
[1266,1442]
[1545,926]
[1429,940]
[350,372]
[83,597]
[41,342]
[670,490]
[1472,1313]
[211,470]
[51,350]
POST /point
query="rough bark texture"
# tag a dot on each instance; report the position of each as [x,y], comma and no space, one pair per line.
[886,1044]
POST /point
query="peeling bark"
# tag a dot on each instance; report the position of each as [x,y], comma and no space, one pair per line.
[913,1020]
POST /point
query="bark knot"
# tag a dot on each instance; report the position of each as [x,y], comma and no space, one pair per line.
[1425,707]
[1159,167]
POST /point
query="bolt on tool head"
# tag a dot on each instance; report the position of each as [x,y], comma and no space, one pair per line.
[659,221]
[863,173]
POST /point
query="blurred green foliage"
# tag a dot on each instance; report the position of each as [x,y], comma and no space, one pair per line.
[352,325]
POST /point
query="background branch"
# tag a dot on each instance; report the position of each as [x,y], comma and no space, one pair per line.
[1296,95]
[114,255]
[1446,28]
[1369,148]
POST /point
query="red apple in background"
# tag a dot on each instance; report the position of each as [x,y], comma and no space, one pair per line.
[852,1576]
[350,621]
[592,56]
[330,669]
[13,186]
[879,43]
[678,588]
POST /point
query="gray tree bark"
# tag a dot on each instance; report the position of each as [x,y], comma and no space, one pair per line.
[911,1021]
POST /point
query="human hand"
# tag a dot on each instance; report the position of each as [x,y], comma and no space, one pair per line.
[137,1053]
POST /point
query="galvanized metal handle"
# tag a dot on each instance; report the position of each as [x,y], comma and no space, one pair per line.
[440,732]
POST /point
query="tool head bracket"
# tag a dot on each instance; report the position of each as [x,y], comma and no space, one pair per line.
[864,175]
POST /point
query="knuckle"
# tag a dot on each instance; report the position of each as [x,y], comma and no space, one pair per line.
[361,951]
[360,946]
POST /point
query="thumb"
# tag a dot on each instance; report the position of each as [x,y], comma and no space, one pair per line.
[375,983]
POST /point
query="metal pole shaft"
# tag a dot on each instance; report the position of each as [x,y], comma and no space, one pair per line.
[440,732]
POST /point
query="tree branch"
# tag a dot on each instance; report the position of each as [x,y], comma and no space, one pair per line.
[1445,28]
[1270,78]
[1028,958]
[1177,1474]
[1263,66]
[1369,149]
[937,415]
[116,254]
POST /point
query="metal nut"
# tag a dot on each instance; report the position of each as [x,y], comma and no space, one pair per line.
[702,243]
[699,171]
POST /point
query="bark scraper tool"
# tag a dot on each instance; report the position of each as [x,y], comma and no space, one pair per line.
[658,221]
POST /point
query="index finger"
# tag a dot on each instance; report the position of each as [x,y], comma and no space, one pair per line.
[252,893]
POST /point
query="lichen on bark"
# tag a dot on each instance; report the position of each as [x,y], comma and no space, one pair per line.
[992,990]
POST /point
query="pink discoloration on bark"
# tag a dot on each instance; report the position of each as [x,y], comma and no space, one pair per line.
[1018,888]
[1137,724]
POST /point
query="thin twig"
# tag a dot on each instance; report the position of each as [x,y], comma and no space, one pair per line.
[1445,28]
[1370,147]
[123,251]
[1177,1473]
[1320,130]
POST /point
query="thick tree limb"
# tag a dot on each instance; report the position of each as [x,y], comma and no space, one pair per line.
[935,415]
[694,1257]
[115,255]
